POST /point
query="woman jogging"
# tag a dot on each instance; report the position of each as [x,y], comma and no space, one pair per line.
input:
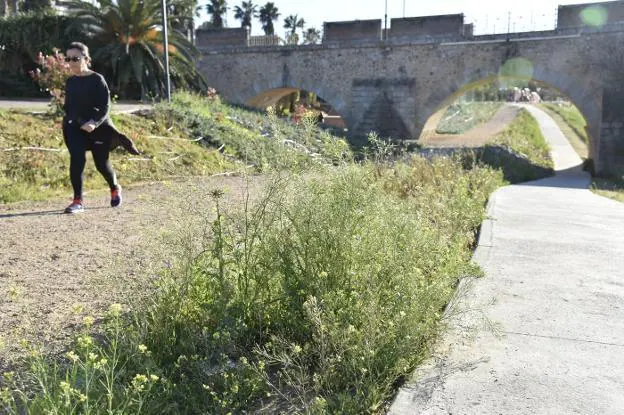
[87,126]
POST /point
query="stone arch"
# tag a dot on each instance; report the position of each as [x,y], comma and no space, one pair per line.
[589,102]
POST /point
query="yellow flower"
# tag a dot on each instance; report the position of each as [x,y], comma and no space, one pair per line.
[85,341]
[88,321]
[142,348]
[115,309]
[154,378]
[72,356]
[14,293]
[140,378]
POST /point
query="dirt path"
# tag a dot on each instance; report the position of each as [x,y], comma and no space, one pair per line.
[52,264]
[477,136]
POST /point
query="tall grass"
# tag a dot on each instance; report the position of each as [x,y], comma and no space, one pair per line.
[520,151]
[572,116]
[318,296]
[191,136]
[263,142]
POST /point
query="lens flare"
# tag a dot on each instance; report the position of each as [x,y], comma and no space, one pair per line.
[517,68]
[594,16]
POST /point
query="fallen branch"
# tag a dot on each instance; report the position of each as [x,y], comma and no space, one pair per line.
[56,150]
[159,137]
[298,145]
[140,159]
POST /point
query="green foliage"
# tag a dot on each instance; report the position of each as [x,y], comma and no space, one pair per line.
[292,23]
[572,116]
[246,12]
[268,14]
[315,298]
[520,151]
[524,137]
[462,116]
[23,37]
[130,46]
[217,9]
[262,141]
[92,379]
[612,187]
[36,6]
[37,163]
[51,77]
[311,36]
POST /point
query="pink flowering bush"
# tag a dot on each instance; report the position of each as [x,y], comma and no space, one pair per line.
[212,94]
[301,112]
[51,77]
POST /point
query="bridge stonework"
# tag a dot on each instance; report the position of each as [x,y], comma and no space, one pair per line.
[394,88]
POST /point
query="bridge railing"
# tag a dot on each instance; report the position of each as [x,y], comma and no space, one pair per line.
[235,39]
[264,41]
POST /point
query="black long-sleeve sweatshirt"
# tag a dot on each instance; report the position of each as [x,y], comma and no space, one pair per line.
[87,98]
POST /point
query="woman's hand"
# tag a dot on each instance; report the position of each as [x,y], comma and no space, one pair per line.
[89,126]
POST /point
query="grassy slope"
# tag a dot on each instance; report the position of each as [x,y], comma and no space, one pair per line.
[37,174]
[164,136]
[523,136]
[572,124]
[579,143]
[461,117]
[572,116]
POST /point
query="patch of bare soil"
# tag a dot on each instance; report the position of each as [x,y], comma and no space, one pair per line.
[477,136]
[53,264]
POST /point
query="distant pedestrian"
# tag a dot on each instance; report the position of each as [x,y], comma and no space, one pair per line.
[87,125]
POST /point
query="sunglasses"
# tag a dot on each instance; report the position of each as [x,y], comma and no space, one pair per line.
[73,59]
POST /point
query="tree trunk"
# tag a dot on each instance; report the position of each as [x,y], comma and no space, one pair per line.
[13,6]
[4,8]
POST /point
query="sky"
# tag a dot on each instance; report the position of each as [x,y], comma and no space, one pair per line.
[488,16]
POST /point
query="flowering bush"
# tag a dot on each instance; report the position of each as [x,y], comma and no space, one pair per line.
[301,112]
[51,77]
[212,94]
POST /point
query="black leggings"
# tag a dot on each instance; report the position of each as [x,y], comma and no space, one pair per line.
[78,142]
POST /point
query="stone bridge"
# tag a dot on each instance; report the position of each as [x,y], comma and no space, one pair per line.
[392,82]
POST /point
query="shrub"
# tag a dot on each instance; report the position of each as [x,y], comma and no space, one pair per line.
[316,298]
[52,77]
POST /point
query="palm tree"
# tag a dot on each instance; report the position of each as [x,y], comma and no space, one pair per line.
[292,23]
[128,34]
[181,13]
[217,9]
[268,13]
[312,36]
[245,12]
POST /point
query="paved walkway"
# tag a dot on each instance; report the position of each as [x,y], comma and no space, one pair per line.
[543,332]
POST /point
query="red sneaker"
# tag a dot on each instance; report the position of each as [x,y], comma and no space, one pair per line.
[116,196]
